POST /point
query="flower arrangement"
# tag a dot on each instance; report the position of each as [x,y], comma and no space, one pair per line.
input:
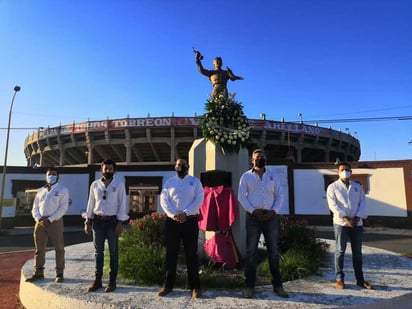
[225,124]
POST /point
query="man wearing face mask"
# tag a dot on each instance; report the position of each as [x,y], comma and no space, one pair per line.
[346,200]
[49,206]
[181,199]
[261,196]
[106,211]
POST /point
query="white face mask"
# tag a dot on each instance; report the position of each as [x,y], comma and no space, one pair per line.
[345,174]
[51,179]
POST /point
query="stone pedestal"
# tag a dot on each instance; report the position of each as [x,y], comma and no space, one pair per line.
[205,156]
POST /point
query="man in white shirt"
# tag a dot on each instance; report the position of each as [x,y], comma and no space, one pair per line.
[346,200]
[49,206]
[260,194]
[106,211]
[181,199]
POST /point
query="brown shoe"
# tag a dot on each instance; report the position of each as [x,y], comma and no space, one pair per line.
[59,278]
[111,287]
[280,291]
[365,285]
[164,292]
[196,293]
[340,284]
[35,277]
[97,284]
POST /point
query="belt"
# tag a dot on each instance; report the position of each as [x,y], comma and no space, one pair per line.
[105,218]
[192,216]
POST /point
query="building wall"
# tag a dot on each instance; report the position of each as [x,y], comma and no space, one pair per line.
[386,195]
[388,189]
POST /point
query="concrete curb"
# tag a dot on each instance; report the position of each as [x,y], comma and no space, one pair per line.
[389,272]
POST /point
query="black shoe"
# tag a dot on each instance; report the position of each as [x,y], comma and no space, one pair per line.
[365,285]
[111,287]
[59,278]
[280,291]
[35,277]
[97,284]
[164,292]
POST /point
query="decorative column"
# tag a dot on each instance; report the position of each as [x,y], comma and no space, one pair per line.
[205,156]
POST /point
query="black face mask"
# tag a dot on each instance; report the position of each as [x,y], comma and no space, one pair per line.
[181,170]
[108,175]
[260,163]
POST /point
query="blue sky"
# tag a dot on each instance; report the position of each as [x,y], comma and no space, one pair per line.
[326,59]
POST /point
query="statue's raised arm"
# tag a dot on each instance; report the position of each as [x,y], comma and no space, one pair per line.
[232,76]
[217,77]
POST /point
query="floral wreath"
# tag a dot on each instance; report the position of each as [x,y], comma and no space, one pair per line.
[225,124]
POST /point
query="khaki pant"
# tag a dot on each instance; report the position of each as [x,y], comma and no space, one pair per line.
[41,235]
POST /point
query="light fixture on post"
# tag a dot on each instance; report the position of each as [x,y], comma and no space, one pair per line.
[16,89]
[301,118]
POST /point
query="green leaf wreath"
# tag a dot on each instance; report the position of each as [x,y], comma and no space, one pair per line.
[225,124]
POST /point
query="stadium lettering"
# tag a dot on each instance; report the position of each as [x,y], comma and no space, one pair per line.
[291,127]
[121,123]
[276,125]
[186,121]
[154,122]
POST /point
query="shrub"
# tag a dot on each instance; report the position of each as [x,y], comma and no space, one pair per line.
[149,229]
[301,253]
[141,250]
[142,254]
[215,275]
[143,263]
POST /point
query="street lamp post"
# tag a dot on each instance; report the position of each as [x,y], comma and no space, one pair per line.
[301,118]
[3,182]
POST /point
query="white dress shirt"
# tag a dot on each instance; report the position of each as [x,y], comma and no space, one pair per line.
[51,204]
[182,195]
[114,203]
[346,202]
[256,193]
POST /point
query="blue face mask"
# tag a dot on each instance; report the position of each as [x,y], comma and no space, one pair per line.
[51,179]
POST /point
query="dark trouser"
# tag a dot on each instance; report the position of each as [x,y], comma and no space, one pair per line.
[270,230]
[354,235]
[188,232]
[103,230]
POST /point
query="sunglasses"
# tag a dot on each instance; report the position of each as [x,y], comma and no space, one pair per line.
[104,194]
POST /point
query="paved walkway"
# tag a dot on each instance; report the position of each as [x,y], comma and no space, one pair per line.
[389,272]
[10,272]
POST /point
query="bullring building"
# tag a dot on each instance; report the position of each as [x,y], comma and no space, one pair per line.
[159,140]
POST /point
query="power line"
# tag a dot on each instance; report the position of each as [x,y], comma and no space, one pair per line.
[342,120]
[367,119]
[20,128]
[373,110]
